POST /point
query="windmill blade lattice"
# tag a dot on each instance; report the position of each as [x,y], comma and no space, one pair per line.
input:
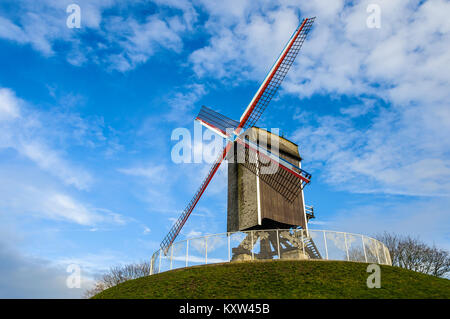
[273,81]
[216,120]
[284,177]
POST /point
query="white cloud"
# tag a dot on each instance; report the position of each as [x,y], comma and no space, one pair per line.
[9,105]
[193,233]
[399,152]
[41,140]
[406,58]
[139,41]
[59,206]
[227,12]
[52,162]
[23,130]
[146,230]
[124,42]
[182,102]
[24,191]
[152,173]
[155,187]
[189,17]
[32,277]
[28,276]
[10,31]
[93,264]
[246,49]
[359,109]
[405,66]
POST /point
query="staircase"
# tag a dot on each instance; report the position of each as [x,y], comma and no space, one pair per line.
[309,210]
[311,248]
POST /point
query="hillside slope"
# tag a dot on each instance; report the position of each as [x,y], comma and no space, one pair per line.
[281,279]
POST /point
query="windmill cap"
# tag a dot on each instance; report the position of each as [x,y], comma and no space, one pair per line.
[264,138]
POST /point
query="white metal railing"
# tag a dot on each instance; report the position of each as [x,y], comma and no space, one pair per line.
[270,244]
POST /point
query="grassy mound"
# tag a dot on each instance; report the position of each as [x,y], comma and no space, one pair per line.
[281,279]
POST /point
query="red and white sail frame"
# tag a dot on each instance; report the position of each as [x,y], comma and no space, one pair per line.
[251,114]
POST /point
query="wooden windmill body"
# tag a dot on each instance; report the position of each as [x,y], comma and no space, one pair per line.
[253,203]
[264,206]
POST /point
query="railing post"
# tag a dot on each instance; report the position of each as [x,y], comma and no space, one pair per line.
[346,247]
[171,256]
[251,246]
[229,247]
[385,256]
[159,267]
[325,240]
[152,260]
[303,244]
[364,247]
[376,250]
[206,250]
[187,252]
[278,244]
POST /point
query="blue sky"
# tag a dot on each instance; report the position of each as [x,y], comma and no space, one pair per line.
[86,117]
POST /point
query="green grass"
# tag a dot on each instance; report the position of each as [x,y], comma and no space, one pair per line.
[281,279]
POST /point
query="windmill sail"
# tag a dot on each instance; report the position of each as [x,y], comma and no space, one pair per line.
[216,122]
[276,75]
[253,112]
[284,177]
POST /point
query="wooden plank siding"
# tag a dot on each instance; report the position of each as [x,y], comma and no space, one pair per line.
[276,211]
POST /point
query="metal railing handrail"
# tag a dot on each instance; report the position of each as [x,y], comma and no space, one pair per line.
[374,246]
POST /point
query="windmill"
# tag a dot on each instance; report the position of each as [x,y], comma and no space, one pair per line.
[287,179]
